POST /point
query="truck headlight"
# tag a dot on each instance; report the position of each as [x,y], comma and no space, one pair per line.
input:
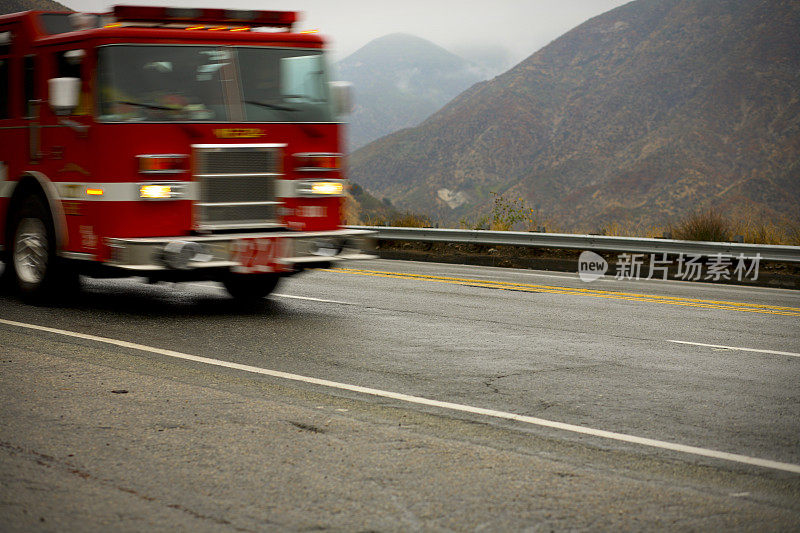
[317,188]
[327,187]
[162,191]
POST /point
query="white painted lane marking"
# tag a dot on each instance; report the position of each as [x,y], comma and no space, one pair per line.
[282,295]
[310,299]
[791,354]
[664,445]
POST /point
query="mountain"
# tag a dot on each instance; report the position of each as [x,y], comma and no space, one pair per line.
[15,6]
[490,60]
[643,114]
[399,80]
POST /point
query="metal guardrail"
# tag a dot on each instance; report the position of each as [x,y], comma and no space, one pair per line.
[767,252]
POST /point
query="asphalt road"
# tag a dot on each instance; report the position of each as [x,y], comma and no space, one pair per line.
[498,399]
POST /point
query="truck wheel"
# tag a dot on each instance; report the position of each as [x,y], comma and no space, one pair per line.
[32,258]
[250,287]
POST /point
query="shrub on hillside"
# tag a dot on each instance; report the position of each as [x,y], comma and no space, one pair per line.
[703,226]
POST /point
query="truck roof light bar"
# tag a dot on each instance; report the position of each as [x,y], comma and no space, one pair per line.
[280,19]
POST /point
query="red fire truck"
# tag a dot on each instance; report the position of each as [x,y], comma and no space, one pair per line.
[171,143]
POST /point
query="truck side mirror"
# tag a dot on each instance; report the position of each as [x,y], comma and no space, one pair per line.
[342,97]
[64,94]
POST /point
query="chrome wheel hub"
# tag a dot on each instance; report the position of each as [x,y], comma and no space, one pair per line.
[30,250]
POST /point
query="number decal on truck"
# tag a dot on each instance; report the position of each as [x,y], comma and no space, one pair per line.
[255,256]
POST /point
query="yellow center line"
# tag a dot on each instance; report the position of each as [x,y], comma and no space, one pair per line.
[613,295]
[571,289]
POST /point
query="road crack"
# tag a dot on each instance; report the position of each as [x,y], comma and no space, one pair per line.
[490,382]
[307,427]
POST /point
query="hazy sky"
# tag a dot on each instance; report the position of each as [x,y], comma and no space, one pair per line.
[520,26]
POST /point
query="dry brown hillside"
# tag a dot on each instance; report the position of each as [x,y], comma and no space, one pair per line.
[643,114]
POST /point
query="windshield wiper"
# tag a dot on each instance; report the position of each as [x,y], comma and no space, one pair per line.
[271,106]
[148,106]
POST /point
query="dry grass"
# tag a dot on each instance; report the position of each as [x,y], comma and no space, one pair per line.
[793,235]
[762,234]
[633,229]
[351,210]
[411,220]
[403,220]
[711,226]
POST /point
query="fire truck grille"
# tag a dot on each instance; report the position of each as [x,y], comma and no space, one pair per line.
[238,160]
[237,186]
[237,189]
[245,214]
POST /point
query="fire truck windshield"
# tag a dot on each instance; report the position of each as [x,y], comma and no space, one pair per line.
[184,83]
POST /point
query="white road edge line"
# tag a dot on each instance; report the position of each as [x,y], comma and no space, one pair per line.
[310,299]
[791,354]
[693,450]
[282,295]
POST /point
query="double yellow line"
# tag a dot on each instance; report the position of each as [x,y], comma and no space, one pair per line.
[613,295]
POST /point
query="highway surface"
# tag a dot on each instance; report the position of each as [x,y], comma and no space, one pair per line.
[403,396]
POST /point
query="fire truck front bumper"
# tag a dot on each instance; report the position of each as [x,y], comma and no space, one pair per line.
[283,252]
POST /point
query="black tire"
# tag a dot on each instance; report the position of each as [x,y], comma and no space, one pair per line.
[250,287]
[34,270]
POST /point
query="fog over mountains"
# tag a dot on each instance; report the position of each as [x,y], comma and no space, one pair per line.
[399,80]
[642,114]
